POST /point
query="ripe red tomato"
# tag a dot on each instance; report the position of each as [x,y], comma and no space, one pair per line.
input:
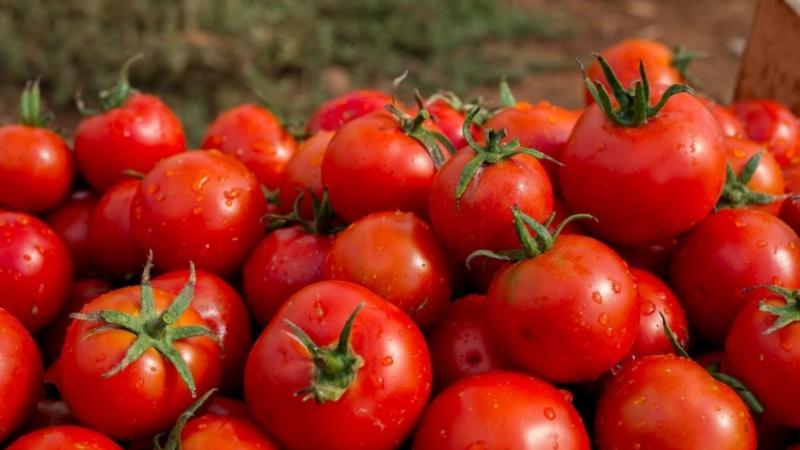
[71,221]
[201,206]
[656,299]
[35,270]
[645,179]
[448,111]
[501,410]
[379,163]
[304,174]
[461,343]
[36,167]
[729,124]
[223,433]
[254,136]
[134,358]
[339,110]
[732,250]
[113,247]
[668,402]
[338,367]
[758,183]
[224,311]
[395,255]
[21,374]
[772,124]
[790,211]
[64,437]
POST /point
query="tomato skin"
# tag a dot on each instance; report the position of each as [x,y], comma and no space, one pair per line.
[767,178]
[380,408]
[395,255]
[729,124]
[35,270]
[64,437]
[451,122]
[36,168]
[112,245]
[665,402]
[657,298]
[579,295]
[533,416]
[134,136]
[372,165]
[223,433]
[640,188]
[562,212]
[334,113]
[304,173]
[201,206]
[461,343]
[71,221]
[21,374]
[732,250]
[146,397]
[766,362]
[287,260]
[254,136]
[224,406]
[772,124]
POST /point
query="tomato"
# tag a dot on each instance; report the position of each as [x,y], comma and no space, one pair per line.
[36,167]
[201,206]
[729,124]
[395,255]
[763,352]
[254,136]
[218,405]
[64,437]
[567,292]
[790,211]
[71,221]
[113,247]
[501,410]
[663,402]
[732,250]
[338,357]
[656,299]
[304,174]
[223,433]
[758,183]
[772,124]
[645,179]
[339,110]
[448,111]
[378,162]
[35,270]
[652,257]
[461,343]
[134,358]
[560,212]
[224,311]
[21,374]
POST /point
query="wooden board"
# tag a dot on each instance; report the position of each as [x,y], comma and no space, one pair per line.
[771,63]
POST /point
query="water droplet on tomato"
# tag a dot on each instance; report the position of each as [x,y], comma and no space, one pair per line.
[549,413]
[387,361]
[597,297]
[648,307]
[603,319]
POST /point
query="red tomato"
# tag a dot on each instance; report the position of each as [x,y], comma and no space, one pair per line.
[761,188]
[448,113]
[225,313]
[656,299]
[201,206]
[370,377]
[790,211]
[21,374]
[64,437]
[646,179]
[501,410]
[339,110]
[218,405]
[730,251]
[730,125]
[304,174]
[71,221]
[395,255]
[254,136]
[772,124]
[223,433]
[35,270]
[560,212]
[663,402]
[376,163]
[652,257]
[461,343]
[134,380]
[113,247]
[35,164]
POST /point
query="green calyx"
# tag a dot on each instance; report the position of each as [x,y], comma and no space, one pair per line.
[633,108]
[117,95]
[506,96]
[152,329]
[493,152]
[335,366]
[785,314]
[174,438]
[433,141]
[736,194]
[532,246]
[30,103]
[321,223]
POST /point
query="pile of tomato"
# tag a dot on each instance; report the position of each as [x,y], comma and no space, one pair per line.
[436,276]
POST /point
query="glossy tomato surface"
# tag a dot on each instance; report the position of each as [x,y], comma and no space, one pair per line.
[767,178]
[304,174]
[656,299]
[113,248]
[62,438]
[772,124]
[21,374]
[339,110]
[223,433]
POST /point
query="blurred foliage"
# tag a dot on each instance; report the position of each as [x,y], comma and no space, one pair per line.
[205,55]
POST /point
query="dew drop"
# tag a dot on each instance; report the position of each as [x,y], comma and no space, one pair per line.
[648,307]
[549,413]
